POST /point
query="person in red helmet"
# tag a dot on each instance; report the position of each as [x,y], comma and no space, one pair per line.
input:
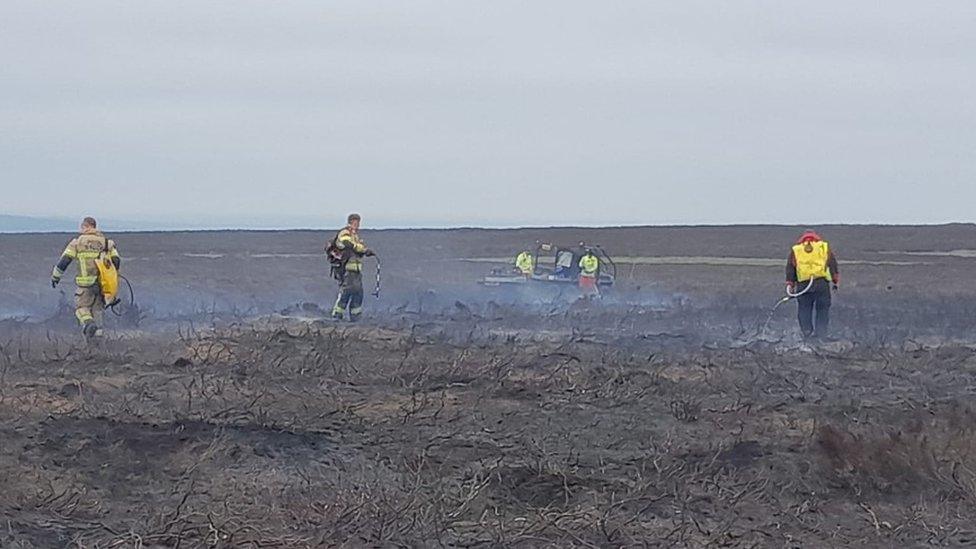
[810,270]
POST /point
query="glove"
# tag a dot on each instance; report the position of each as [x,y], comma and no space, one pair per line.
[836,282]
[55,282]
[790,287]
[369,253]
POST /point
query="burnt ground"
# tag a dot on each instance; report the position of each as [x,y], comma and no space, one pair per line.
[462,416]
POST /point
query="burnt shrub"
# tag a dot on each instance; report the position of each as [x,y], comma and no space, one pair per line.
[936,456]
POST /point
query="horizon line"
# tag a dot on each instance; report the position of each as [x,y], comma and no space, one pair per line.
[500,228]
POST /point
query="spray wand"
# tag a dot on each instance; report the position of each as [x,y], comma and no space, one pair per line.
[376,291]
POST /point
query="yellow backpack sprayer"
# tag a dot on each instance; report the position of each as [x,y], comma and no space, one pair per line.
[108,281]
[108,276]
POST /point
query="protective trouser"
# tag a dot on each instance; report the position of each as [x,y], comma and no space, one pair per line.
[89,305]
[350,296]
[813,309]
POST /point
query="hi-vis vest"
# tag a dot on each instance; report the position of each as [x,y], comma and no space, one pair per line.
[524,263]
[812,264]
[589,264]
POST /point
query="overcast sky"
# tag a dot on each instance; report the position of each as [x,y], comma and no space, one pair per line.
[489,113]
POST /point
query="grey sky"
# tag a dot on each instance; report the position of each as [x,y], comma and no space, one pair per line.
[490,113]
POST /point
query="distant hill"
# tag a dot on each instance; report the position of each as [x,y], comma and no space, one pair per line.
[25,224]
[29,224]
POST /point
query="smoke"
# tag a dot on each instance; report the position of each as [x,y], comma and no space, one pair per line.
[7,313]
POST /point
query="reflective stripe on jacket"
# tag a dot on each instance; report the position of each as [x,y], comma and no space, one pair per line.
[86,249]
[347,239]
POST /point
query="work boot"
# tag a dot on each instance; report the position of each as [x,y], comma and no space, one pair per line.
[337,317]
[354,318]
[90,330]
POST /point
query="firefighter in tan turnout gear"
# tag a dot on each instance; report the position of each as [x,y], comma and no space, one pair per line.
[346,252]
[87,248]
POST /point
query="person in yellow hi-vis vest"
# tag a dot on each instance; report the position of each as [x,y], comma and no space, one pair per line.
[810,271]
[87,248]
[589,266]
[525,263]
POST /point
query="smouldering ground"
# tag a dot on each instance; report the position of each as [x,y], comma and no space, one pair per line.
[439,430]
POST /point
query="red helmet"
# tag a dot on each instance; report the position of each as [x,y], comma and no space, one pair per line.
[809,236]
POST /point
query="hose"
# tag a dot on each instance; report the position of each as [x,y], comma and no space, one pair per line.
[789,297]
[376,292]
[805,290]
[132,297]
[609,259]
